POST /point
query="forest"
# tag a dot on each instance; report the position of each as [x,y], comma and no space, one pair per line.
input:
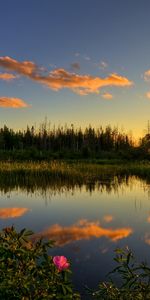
[71,143]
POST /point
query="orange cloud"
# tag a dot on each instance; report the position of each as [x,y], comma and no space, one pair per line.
[147,95]
[108,218]
[107,96]
[147,75]
[7,76]
[60,78]
[82,230]
[81,84]
[12,102]
[13,212]
[24,68]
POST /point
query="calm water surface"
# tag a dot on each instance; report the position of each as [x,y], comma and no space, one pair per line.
[87,221]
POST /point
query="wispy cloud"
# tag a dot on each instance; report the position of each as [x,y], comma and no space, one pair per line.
[77,54]
[60,78]
[103,65]
[107,96]
[83,56]
[12,212]
[75,66]
[86,57]
[7,76]
[12,102]
[83,229]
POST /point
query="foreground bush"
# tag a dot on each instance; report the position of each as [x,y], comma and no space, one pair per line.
[27,272]
[134,280]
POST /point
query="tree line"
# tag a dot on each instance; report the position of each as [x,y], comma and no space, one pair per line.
[68,142]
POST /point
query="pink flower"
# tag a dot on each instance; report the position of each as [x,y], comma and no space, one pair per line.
[61,262]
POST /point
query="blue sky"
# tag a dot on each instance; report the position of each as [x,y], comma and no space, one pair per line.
[89,63]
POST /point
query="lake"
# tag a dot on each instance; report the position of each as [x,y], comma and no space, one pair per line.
[87,220]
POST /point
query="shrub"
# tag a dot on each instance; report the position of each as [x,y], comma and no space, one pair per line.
[28,272]
[134,278]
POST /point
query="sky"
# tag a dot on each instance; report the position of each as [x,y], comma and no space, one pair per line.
[75,62]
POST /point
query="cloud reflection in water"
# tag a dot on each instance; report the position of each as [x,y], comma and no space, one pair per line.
[83,229]
[12,212]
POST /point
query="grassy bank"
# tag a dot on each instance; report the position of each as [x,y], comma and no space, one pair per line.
[75,167]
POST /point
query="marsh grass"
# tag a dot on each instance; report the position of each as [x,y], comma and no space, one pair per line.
[66,175]
[76,168]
